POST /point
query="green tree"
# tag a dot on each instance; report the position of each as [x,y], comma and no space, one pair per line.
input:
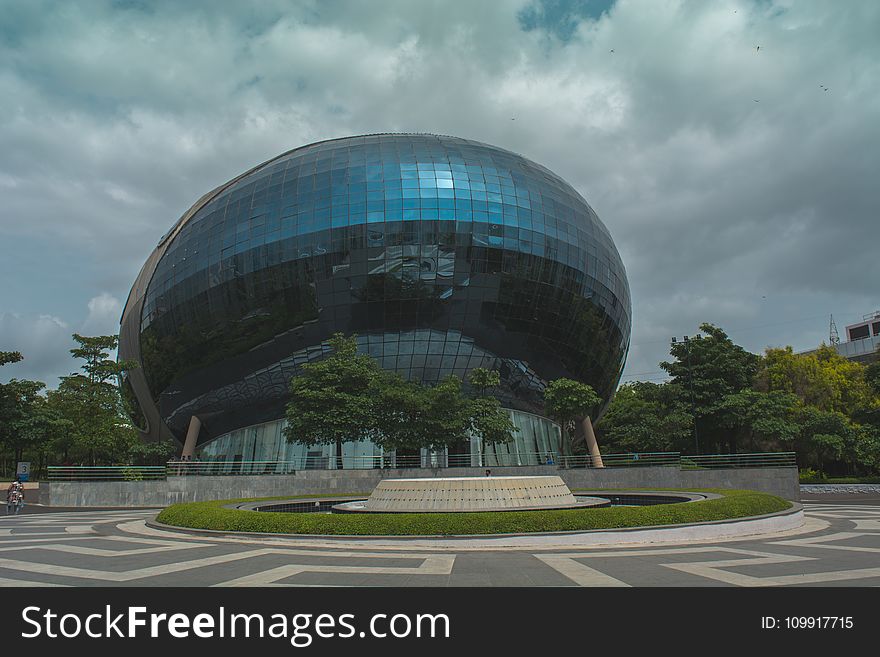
[825,437]
[867,449]
[490,424]
[331,400]
[647,417]
[840,408]
[872,374]
[762,420]
[7,357]
[9,397]
[22,416]
[399,411]
[98,366]
[447,419]
[347,396]
[412,416]
[828,446]
[97,427]
[60,435]
[709,368]
[821,405]
[823,379]
[569,401]
[153,453]
[483,380]
[98,430]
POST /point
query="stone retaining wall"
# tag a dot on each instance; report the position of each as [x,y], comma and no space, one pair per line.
[777,481]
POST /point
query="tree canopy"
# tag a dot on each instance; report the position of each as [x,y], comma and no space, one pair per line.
[568,401]
[331,401]
[820,405]
[707,368]
[7,357]
[346,396]
[81,421]
[648,417]
[99,429]
[823,379]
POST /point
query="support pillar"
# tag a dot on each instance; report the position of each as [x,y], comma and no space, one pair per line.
[592,445]
[192,436]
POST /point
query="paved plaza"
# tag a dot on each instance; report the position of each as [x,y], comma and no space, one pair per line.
[838,546]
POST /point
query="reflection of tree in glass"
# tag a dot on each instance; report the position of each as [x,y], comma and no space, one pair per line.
[407,299]
[558,319]
[245,317]
[132,406]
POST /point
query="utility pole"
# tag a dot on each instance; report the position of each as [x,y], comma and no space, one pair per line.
[687,351]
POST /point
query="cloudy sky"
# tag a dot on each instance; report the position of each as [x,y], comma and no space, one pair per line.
[738,189]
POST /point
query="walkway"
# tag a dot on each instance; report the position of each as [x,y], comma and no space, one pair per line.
[839,546]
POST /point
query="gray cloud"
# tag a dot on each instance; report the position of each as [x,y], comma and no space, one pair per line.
[44,342]
[757,216]
[103,318]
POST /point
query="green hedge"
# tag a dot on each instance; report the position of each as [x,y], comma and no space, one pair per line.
[212,515]
[821,479]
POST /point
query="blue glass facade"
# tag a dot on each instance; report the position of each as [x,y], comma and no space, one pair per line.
[442,254]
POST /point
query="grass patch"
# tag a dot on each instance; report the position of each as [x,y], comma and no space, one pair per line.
[212,515]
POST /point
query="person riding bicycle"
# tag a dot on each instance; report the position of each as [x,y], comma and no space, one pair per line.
[15,497]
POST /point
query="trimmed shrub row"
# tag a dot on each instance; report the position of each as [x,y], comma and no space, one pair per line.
[212,515]
[820,479]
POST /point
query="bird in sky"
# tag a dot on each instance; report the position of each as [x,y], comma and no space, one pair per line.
[612,50]
[756,100]
[757,48]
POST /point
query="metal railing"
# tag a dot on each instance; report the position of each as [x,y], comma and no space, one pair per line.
[628,460]
[389,461]
[106,472]
[485,461]
[758,460]
[240,467]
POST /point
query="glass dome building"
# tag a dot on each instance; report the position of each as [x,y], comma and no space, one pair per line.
[442,255]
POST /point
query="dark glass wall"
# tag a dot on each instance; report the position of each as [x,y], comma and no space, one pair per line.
[442,254]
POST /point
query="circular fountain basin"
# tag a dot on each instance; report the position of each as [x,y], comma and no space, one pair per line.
[470,494]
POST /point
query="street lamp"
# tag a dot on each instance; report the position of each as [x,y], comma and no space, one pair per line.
[687,351]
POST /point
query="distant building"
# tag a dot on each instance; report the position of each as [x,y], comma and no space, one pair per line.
[868,327]
[862,340]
